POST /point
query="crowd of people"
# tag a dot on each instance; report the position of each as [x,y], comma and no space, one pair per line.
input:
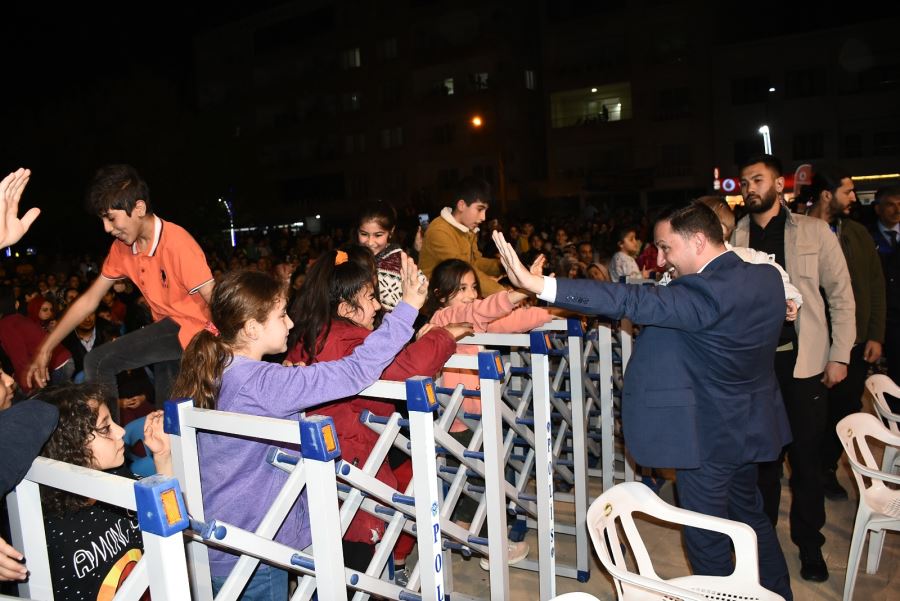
[743,356]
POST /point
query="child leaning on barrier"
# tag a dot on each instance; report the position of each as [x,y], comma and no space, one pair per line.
[454,297]
[222,368]
[92,546]
[335,313]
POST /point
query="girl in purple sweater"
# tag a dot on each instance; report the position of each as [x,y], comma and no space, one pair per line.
[222,368]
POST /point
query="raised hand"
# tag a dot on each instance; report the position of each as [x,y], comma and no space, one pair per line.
[414,285]
[11,227]
[518,273]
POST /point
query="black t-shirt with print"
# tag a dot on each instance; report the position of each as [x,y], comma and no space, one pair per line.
[92,550]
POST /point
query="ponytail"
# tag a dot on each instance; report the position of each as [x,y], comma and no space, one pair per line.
[202,365]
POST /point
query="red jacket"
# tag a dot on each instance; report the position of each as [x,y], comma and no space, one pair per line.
[424,357]
[20,337]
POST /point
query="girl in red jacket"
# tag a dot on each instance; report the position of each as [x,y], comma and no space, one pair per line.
[334,312]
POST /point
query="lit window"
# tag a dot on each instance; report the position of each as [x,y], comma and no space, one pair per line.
[588,106]
[529,79]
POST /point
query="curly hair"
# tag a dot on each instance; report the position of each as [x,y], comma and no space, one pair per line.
[78,406]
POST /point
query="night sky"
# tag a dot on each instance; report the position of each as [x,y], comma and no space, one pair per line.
[104,82]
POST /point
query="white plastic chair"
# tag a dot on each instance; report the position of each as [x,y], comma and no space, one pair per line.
[575,597]
[877,386]
[879,506]
[620,502]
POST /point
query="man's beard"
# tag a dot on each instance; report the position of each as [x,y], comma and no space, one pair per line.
[763,204]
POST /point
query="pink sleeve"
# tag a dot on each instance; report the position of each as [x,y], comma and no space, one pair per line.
[519,321]
[479,313]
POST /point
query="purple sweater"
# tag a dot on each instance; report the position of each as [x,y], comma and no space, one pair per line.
[238,484]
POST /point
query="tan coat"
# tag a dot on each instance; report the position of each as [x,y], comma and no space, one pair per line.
[445,239]
[813,258]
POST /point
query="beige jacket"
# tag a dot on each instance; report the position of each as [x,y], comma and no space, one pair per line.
[814,259]
[446,238]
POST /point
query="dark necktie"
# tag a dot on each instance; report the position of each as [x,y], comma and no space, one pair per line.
[892,238]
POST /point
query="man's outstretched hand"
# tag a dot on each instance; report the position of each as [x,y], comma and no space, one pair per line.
[11,227]
[518,274]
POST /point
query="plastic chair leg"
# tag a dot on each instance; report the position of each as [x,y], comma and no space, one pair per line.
[856,543]
[876,544]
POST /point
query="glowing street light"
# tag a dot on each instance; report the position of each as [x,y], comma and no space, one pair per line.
[230,220]
[767,138]
[476,121]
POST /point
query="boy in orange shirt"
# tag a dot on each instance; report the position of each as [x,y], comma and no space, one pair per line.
[163,261]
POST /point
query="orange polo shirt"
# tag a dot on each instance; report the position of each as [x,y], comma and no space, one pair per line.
[168,275]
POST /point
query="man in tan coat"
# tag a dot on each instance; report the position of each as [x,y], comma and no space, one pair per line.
[808,361]
[454,235]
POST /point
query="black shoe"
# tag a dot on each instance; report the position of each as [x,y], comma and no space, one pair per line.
[812,565]
[832,488]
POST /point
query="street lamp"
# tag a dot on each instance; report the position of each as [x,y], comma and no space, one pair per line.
[767,138]
[477,121]
[230,220]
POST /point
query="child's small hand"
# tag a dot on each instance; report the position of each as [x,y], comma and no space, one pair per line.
[413,283]
[155,439]
[792,310]
[460,330]
[287,363]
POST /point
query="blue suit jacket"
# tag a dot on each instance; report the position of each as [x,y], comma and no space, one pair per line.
[701,384]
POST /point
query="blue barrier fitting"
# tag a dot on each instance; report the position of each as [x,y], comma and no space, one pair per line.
[563,394]
[408,596]
[378,419]
[160,506]
[202,528]
[403,422]
[384,510]
[527,497]
[525,421]
[219,532]
[520,371]
[405,499]
[478,540]
[583,576]
[518,440]
[515,393]
[446,469]
[420,395]
[354,578]
[171,423]
[558,352]
[343,487]
[573,327]
[490,366]
[280,456]
[475,488]
[472,416]
[345,468]
[303,562]
[474,455]
[517,457]
[540,343]
[318,438]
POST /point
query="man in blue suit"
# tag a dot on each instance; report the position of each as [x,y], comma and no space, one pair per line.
[700,391]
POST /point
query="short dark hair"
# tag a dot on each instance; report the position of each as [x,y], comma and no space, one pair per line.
[887,192]
[472,189]
[117,187]
[692,219]
[772,162]
[825,177]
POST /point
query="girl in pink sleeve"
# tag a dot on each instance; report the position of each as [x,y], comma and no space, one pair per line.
[454,298]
